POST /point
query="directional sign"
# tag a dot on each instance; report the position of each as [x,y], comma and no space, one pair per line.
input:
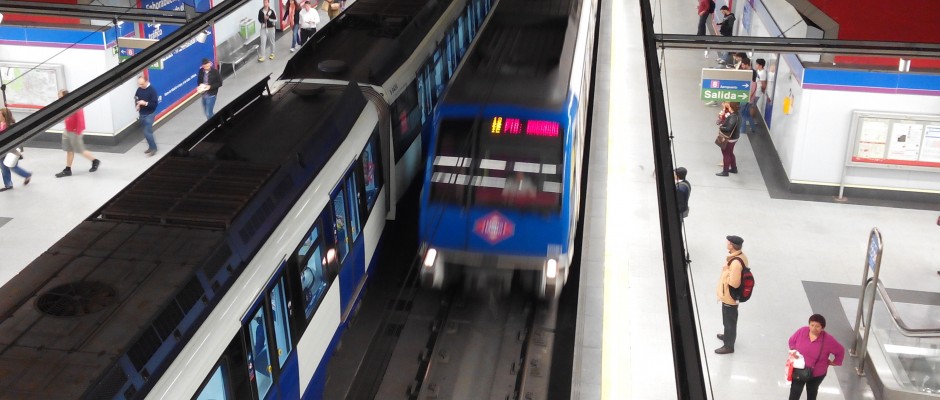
[726,84]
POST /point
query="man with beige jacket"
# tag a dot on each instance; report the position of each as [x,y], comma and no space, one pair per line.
[730,278]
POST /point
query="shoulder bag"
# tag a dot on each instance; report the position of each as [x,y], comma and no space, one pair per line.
[722,140]
[805,374]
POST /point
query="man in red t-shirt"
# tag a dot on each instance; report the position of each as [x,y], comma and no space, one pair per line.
[704,10]
[73,142]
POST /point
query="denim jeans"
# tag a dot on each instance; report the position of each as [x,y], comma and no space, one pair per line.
[745,113]
[702,21]
[208,105]
[295,37]
[8,178]
[146,121]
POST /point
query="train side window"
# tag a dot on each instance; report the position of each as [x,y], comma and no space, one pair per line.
[462,34]
[339,224]
[352,189]
[279,315]
[438,76]
[407,126]
[259,365]
[313,280]
[371,172]
[216,388]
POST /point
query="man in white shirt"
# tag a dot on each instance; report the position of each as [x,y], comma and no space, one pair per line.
[309,19]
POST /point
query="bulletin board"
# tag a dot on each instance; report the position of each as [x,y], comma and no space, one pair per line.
[31,86]
[898,141]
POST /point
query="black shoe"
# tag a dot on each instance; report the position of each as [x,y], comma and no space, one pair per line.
[723,350]
[64,173]
[721,336]
[94,165]
[4,189]
[26,181]
[722,173]
[733,170]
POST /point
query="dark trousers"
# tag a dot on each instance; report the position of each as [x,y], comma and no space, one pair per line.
[306,34]
[727,156]
[702,20]
[812,387]
[729,317]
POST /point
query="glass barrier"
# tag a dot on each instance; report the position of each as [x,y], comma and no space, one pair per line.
[914,361]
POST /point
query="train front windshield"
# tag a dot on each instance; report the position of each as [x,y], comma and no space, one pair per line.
[499,162]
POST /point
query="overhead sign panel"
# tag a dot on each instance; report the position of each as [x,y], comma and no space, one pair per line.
[726,84]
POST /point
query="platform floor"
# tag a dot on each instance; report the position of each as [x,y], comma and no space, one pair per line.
[808,256]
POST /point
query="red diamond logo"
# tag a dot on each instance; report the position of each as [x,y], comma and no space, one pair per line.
[494,227]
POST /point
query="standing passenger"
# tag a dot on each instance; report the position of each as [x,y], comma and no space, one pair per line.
[705,8]
[683,191]
[309,20]
[267,18]
[146,101]
[725,28]
[815,346]
[209,82]
[729,129]
[73,141]
[730,278]
[332,8]
[295,8]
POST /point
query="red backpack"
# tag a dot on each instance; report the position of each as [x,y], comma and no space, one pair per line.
[743,292]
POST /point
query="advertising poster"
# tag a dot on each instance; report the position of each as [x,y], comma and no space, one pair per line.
[174,76]
[872,139]
[905,141]
[930,151]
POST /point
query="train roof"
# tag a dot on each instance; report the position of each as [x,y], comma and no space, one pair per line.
[127,280]
[519,58]
[370,41]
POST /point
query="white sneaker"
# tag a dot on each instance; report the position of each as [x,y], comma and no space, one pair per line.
[291,49]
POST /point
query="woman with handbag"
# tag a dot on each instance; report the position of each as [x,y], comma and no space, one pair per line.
[816,346]
[728,135]
[9,162]
[332,8]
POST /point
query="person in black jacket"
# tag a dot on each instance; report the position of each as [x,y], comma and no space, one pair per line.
[729,129]
[209,82]
[683,191]
[267,18]
[726,28]
[146,100]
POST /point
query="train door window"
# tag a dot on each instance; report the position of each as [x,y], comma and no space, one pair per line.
[313,280]
[353,196]
[370,171]
[279,315]
[339,225]
[423,103]
[438,75]
[462,34]
[260,365]
[215,388]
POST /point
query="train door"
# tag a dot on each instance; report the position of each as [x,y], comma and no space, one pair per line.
[272,363]
[345,203]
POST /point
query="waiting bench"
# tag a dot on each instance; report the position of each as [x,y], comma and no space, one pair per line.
[235,50]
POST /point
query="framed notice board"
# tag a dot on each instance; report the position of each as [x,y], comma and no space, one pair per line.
[897,141]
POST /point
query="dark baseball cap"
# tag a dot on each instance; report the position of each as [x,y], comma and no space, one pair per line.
[735,239]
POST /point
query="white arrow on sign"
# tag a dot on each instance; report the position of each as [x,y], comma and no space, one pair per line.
[746,85]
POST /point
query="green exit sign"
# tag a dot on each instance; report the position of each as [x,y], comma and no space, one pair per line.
[725,95]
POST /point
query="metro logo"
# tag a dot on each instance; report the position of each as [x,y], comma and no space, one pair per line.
[494,227]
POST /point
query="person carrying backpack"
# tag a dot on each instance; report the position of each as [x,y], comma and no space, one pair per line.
[705,9]
[730,280]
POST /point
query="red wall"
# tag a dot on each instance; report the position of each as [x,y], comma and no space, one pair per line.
[902,21]
[23,18]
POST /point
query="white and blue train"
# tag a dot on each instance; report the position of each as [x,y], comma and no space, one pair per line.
[503,178]
[230,269]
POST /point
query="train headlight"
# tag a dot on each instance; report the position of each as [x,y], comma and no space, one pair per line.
[429,258]
[551,268]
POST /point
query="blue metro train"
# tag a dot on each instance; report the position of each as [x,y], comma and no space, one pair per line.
[503,176]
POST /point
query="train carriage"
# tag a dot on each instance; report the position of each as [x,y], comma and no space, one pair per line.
[502,182]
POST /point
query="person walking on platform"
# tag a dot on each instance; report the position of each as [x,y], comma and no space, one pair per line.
[309,20]
[10,161]
[332,8]
[292,14]
[209,83]
[267,18]
[73,141]
[746,120]
[729,129]
[683,191]
[146,100]
[705,9]
[819,350]
[730,278]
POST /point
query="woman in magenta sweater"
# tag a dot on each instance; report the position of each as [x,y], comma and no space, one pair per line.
[816,346]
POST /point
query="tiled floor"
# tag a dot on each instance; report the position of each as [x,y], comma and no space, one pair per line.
[800,251]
